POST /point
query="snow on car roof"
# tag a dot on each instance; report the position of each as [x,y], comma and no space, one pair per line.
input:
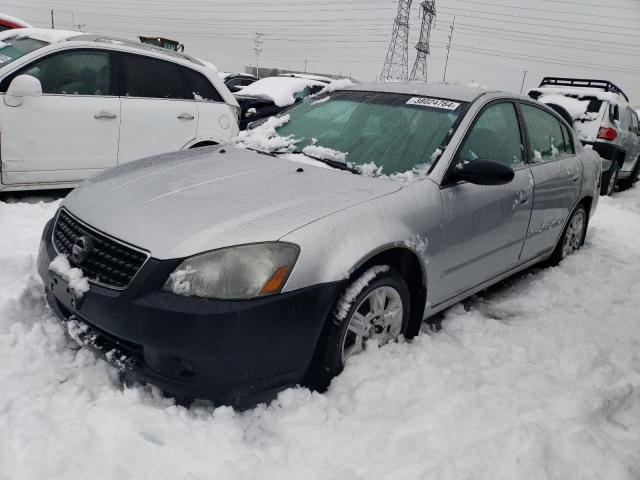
[44,34]
[12,19]
[581,92]
[438,90]
[281,90]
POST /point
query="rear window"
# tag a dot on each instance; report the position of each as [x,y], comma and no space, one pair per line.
[151,78]
[201,88]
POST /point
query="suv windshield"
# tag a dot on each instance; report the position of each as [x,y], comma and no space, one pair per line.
[395,132]
[15,47]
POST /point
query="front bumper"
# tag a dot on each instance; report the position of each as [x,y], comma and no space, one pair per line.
[233,352]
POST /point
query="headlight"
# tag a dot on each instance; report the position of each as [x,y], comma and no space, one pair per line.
[240,272]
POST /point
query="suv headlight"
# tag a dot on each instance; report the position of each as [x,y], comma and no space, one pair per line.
[239,272]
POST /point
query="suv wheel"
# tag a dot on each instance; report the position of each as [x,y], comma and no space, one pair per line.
[375,306]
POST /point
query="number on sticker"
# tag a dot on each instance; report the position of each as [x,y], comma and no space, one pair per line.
[433,103]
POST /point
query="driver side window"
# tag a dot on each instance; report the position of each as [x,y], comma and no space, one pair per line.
[495,136]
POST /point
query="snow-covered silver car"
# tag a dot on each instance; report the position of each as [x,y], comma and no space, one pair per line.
[228,274]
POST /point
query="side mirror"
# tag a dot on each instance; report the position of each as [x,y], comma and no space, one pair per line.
[20,87]
[483,172]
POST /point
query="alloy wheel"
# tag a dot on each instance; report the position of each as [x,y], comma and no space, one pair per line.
[378,316]
[574,234]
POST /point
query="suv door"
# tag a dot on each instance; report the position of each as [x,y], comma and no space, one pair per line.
[629,130]
[71,131]
[216,120]
[485,226]
[159,114]
[557,173]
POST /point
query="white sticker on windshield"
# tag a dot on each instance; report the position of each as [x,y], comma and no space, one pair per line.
[433,103]
[4,58]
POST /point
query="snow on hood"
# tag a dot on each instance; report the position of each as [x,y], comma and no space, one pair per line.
[574,107]
[44,34]
[280,90]
[188,202]
[17,21]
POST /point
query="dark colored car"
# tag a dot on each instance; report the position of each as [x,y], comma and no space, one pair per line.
[269,96]
[237,81]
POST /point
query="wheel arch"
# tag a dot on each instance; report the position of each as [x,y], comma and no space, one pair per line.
[406,261]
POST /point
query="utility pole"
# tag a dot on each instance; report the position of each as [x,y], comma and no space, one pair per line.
[257,48]
[52,24]
[524,75]
[305,65]
[444,76]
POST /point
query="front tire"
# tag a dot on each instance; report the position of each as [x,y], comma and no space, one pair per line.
[374,306]
[572,237]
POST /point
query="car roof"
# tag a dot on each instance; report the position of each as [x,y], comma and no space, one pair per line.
[438,90]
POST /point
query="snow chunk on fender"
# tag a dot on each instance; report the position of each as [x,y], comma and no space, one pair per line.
[78,283]
[265,138]
[347,298]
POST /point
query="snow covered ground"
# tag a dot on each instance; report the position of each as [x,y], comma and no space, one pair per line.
[538,378]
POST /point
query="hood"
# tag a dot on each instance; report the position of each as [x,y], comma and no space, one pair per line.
[185,203]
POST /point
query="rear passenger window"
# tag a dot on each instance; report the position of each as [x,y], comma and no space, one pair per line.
[151,78]
[545,134]
[495,136]
[200,87]
[568,140]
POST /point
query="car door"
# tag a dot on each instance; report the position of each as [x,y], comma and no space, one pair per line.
[159,114]
[216,121]
[71,131]
[629,129]
[557,175]
[485,226]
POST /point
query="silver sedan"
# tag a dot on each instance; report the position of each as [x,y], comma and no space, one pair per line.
[228,273]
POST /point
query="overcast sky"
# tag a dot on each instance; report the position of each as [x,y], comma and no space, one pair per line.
[494,41]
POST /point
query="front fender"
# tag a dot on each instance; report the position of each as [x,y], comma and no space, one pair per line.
[333,247]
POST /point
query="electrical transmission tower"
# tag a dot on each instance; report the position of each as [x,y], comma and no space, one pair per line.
[257,49]
[396,65]
[419,70]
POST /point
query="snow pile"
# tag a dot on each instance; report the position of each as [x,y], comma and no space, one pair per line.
[370,169]
[325,153]
[538,378]
[339,84]
[264,137]
[74,276]
[280,90]
[579,92]
[43,34]
[574,107]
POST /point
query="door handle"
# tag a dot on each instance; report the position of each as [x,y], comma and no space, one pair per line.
[575,179]
[185,116]
[105,115]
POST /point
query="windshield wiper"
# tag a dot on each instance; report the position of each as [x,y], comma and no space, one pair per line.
[332,163]
[263,152]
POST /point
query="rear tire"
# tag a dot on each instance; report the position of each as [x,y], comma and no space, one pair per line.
[572,237]
[610,186]
[380,310]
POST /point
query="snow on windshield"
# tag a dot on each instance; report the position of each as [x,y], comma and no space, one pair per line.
[264,137]
[281,90]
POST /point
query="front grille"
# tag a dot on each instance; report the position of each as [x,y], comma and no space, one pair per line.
[109,263]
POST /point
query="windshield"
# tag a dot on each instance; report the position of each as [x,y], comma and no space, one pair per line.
[15,47]
[395,132]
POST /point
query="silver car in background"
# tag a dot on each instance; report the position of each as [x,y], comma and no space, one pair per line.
[229,274]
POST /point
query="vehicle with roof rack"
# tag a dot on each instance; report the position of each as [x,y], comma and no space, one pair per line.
[601,115]
[74,104]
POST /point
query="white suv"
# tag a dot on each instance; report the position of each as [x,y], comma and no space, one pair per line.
[73,104]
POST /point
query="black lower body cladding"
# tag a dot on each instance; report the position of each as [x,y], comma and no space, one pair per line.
[233,352]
